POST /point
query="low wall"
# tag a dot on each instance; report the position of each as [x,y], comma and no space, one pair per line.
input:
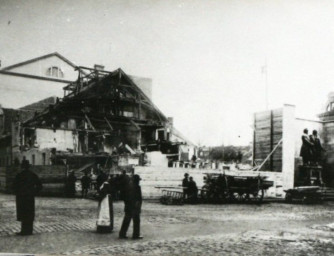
[155,177]
[52,177]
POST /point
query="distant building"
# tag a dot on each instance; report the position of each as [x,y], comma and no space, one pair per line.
[39,78]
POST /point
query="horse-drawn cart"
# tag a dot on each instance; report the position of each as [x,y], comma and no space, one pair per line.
[221,188]
[230,188]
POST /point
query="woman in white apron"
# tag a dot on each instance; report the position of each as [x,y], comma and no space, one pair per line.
[105,218]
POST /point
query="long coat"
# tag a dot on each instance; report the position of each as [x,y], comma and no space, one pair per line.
[26,186]
[133,199]
[306,149]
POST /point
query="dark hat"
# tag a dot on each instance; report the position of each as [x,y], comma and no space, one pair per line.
[136,177]
[186,174]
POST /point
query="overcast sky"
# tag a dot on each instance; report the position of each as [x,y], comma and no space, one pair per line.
[204,57]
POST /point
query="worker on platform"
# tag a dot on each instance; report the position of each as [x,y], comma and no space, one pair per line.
[317,148]
[306,149]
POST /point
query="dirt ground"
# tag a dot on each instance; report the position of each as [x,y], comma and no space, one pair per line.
[67,227]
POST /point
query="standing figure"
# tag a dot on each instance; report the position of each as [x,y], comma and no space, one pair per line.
[317,148]
[306,149]
[185,185]
[85,185]
[26,186]
[192,191]
[102,177]
[193,161]
[123,184]
[70,184]
[132,209]
[105,221]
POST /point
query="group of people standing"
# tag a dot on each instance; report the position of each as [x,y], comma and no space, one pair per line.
[27,185]
[190,190]
[311,149]
[130,193]
[92,182]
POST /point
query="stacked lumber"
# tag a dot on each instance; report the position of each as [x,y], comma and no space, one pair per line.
[267,134]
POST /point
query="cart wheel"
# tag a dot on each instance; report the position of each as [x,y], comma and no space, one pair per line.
[240,197]
[257,196]
[288,197]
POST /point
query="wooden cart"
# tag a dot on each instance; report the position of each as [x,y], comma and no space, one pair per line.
[230,188]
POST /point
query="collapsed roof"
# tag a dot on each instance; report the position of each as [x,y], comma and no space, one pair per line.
[104,98]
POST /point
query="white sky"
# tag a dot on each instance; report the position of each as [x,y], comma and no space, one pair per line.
[204,57]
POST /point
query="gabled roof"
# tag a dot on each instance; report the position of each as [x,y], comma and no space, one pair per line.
[40,105]
[40,58]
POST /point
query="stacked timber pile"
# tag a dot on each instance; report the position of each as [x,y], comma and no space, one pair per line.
[267,134]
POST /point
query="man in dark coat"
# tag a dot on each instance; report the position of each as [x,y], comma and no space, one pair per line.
[85,184]
[317,147]
[101,178]
[123,184]
[192,191]
[185,185]
[132,209]
[26,186]
[306,149]
[70,184]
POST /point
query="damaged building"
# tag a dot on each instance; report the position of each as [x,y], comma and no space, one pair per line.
[103,119]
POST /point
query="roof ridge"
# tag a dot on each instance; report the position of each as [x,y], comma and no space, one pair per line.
[39,58]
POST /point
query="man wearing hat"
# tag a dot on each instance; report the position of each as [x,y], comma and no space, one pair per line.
[26,186]
[132,209]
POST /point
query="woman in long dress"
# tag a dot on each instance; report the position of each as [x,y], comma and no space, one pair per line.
[105,221]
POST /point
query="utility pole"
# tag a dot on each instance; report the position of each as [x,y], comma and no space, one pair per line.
[265,73]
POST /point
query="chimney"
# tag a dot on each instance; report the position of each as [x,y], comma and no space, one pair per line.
[98,67]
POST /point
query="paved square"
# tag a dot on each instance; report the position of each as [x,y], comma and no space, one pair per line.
[67,226]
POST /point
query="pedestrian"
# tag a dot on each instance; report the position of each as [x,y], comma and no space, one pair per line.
[26,186]
[132,209]
[105,221]
[70,184]
[112,182]
[102,177]
[123,184]
[85,185]
[306,149]
[185,185]
[192,191]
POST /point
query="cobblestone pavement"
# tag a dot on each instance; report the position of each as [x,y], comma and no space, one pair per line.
[67,227]
[249,243]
